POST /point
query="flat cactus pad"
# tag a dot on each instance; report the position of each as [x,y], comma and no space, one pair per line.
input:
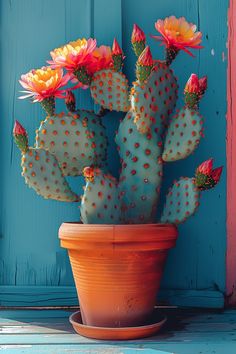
[77,140]
[155,99]
[141,170]
[100,203]
[183,135]
[110,89]
[42,173]
[182,201]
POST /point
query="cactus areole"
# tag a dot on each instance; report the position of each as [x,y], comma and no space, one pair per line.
[151,133]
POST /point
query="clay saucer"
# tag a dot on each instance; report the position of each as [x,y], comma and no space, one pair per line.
[121,333]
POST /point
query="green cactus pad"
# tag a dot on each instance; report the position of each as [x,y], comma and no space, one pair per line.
[100,203]
[77,140]
[141,174]
[110,89]
[154,99]
[183,135]
[182,201]
[42,173]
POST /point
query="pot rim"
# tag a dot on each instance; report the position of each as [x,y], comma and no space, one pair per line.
[151,236]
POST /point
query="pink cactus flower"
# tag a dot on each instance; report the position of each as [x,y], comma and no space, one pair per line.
[137,34]
[145,58]
[101,59]
[44,83]
[73,55]
[18,129]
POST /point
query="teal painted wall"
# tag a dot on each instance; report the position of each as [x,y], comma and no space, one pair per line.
[29,249]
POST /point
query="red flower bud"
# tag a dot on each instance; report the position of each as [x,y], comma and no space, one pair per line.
[207,178]
[116,49]
[202,85]
[192,85]
[70,101]
[90,172]
[216,173]
[19,129]
[206,167]
[145,57]
[137,35]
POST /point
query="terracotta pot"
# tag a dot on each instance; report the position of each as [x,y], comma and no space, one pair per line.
[117,269]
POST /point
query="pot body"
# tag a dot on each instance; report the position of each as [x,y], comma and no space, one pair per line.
[117,269]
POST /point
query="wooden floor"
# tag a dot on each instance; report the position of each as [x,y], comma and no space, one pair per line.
[48,332]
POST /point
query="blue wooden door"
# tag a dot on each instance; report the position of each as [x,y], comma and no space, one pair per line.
[34,270]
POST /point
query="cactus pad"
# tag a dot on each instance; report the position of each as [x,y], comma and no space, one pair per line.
[110,89]
[100,204]
[182,201]
[141,170]
[183,135]
[42,173]
[155,98]
[77,140]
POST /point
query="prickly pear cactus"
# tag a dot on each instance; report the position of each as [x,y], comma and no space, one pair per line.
[75,143]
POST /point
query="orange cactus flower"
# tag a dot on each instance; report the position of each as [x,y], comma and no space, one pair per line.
[44,83]
[73,55]
[178,33]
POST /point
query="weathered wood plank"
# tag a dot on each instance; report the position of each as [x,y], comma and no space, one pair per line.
[182,348]
[67,296]
[164,338]
[187,332]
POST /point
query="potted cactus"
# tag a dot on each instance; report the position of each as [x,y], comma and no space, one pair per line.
[118,252]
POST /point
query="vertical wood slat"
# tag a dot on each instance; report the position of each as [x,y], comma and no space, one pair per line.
[231,160]
[107,21]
